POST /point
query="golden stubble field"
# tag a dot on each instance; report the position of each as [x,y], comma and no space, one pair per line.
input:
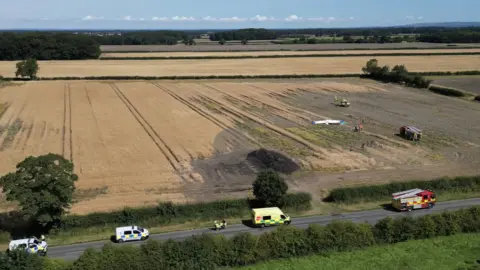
[259,53]
[137,143]
[276,66]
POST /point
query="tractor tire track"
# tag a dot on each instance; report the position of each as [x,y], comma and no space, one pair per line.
[209,116]
[279,111]
[161,145]
[93,115]
[70,120]
[272,127]
[64,118]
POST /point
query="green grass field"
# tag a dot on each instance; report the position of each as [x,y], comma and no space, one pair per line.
[449,253]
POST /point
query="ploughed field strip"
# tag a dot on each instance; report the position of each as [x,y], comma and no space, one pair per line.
[230,67]
[247,53]
[136,143]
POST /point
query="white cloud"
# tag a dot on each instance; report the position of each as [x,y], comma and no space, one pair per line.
[259,18]
[209,18]
[183,18]
[322,19]
[233,19]
[351,18]
[128,18]
[92,18]
[292,18]
[159,19]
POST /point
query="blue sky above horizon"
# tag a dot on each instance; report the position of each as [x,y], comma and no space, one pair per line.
[218,14]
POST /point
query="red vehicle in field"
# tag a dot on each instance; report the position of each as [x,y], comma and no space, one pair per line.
[408,200]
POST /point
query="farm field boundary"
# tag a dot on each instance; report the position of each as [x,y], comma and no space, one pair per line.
[213,57]
[220,77]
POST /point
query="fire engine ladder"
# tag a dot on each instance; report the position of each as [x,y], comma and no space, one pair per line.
[406,193]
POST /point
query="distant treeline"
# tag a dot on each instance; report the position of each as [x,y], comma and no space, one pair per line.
[47,46]
[143,38]
[371,35]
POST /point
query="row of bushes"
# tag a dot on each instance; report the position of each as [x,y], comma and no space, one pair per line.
[161,214]
[283,56]
[285,76]
[355,194]
[211,252]
[446,91]
[398,74]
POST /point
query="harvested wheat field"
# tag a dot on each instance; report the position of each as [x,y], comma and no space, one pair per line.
[257,53]
[137,143]
[276,66]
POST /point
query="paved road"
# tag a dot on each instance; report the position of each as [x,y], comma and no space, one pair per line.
[72,252]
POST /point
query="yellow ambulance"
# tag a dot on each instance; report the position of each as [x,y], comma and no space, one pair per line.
[269,216]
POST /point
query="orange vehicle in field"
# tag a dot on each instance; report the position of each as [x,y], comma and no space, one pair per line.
[411,199]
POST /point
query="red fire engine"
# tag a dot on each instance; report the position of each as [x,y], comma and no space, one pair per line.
[413,199]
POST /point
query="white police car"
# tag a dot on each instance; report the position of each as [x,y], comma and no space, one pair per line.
[131,233]
[30,245]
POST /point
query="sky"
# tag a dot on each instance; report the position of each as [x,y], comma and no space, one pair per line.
[229,14]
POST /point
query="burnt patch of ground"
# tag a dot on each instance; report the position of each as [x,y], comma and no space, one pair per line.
[264,158]
[466,83]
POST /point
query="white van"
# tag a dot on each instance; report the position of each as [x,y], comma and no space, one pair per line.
[131,233]
[30,245]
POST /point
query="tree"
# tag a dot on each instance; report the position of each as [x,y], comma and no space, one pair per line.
[191,42]
[18,260]
[370,67]
[269,188]
[244,41]
[43,186]
[222,42]
[27,68]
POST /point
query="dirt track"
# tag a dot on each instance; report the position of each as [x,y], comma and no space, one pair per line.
[135,143]
[269,47]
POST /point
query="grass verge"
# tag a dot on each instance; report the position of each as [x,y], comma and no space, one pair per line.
[460,251]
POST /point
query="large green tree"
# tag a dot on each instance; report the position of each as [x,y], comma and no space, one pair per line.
[269,187]
[43,186]
[27,68]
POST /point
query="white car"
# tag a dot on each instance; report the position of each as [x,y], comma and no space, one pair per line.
[131,233]
[30,245]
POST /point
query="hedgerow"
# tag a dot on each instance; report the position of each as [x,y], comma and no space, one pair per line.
[213,57]
[161,214]
[355,194]
[446,91]
[209,252]
[210,77]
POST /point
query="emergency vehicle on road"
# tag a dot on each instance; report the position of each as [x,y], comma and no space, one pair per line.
[411,199]
[30,245]
[131,233]
[269,216]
